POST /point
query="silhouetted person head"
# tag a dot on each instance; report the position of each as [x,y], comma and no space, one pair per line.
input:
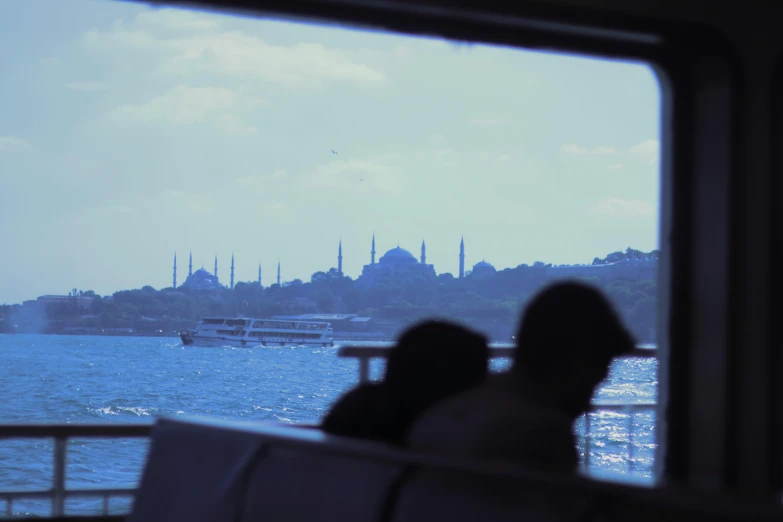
[431,361]
[566,341]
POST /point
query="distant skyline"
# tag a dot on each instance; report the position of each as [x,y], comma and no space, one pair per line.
[130,133]
[270,277]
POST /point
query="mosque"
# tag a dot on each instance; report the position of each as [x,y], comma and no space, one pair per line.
[400,261]
[483,269]
[201,279]
[395,261]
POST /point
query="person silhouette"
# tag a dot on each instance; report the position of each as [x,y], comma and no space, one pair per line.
[431,361]
[566,341]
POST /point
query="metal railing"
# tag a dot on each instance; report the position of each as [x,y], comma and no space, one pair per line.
[365,354]
[62,433]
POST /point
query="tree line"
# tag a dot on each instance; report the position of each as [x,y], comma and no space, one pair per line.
[491,304]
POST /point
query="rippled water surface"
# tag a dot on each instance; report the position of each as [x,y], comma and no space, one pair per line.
[127,379]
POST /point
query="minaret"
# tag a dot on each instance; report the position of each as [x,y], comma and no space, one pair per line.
[278,272]
[232,270]
[423,253]
[372,252]
[340,258]
[174,284]
[259,274]
[216,267]
[462,258]
[190,265]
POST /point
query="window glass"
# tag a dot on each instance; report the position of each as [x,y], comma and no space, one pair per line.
[382,178]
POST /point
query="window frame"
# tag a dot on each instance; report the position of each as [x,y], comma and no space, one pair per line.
[718,366]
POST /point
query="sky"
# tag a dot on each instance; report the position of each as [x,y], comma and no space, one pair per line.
[130,133]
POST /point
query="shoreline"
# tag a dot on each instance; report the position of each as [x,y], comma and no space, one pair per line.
[175,335]
[343,337]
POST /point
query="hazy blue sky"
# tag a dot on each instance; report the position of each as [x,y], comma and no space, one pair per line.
[128,134]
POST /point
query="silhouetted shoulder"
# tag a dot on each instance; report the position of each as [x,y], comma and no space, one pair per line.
[358,413]
[494,423]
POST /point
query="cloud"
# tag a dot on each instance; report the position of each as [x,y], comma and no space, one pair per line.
[112,209]
[14,144]
[175,19]
[262,179]
[438,150]
[490,122]
[118,209]
[234,125]
[572,150]
[615,166]
[362,174]
[620,207]
[121,39]
[404,52]
[442,153]
[437,139]
[497,156]
[576,150]
[648,149]
[184,105]
[86,86]
[180,200]
[303,65]
[91,215]
[228,53]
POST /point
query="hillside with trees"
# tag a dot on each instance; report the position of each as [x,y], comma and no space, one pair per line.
[491,304]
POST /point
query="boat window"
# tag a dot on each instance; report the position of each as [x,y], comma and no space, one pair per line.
[395,178]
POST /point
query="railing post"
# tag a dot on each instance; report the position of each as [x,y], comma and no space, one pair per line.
[364,369]
[8,510]
[58,500]
[106,505]
[587,440]
[630,440]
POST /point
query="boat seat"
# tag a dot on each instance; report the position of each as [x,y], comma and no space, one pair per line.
[201,470]
[297,485]
[461,497]
[216,471]
[190,471]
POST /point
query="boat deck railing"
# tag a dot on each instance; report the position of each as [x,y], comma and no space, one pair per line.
[62,434]
[366,353]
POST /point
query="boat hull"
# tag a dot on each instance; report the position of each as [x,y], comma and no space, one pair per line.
[189,339]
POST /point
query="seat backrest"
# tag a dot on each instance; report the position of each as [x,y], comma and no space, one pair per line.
[297,485]
[207,471]
[190,472]
[462,497]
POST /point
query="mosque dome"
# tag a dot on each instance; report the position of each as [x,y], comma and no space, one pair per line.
[201,279]
[483,268]
[396,255]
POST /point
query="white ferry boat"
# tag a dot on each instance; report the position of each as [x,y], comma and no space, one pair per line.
[248,332]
